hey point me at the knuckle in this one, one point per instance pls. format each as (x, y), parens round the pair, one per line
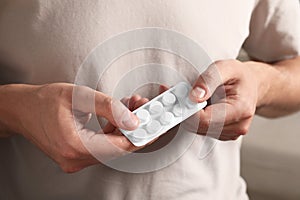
(67, 168)
(219, 62)
(223, 139)
(125, 101)
(123, 144)
(135, 97)
(228, 62)
(248, 113)
(59, 95)
(235, 138)
(144, 100)
(242, 131)
(108, 102)
(247, 109)
(61, 90)
(69, 154)
(205, 123)
(65, 92)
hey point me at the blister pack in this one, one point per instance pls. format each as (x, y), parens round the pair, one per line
(163, 113)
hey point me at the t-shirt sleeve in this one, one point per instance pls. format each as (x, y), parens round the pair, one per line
(274, 30)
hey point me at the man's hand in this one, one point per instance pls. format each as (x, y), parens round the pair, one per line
(233, 89)
(53, 118)
(241, 90)
(131, 103)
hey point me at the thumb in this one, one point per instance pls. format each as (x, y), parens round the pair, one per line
(216, 75)
(115, 112)
(91, 101)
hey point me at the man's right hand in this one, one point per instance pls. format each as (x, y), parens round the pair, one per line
(53, 117)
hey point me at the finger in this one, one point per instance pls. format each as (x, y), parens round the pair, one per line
(125, 101)
(216, 75)
(90, 101)
(230, 132)
(220, 135)
(133, 100)
(163, 88)
(118, 114)
(211, 118)
(75, 165)
(221, 114)
(105, 147)
(109, 128)
(228, 138)
(83, 118)
(141, 102)
(124, 145)
(218, 116)
(240, 128)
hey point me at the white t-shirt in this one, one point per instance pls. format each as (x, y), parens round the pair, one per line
(47, 41)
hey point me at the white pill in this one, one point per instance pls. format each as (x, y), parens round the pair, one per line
(189, 103)
(177, 110)
(166, 118)
(181, 91)
(143, 115)
(156, 107)
(168, 99)
(153, 127)
(140, 134)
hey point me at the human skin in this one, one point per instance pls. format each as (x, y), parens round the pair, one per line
(243, 89)
(43, 114)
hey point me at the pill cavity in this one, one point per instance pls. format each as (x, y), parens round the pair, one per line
(140, 134)
(177, 110)
(166, 118)
(189, 103)
(143, 115)
(181, 91)
(153, 127)
(168, 99)
(156, 107)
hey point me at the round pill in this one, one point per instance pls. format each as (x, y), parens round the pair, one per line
(177, 110)
(153, 127)
(166, 118)
(168, 99)
(143, 115)
(156, 107)
(189, 103)
(140, 134)
(181, 91)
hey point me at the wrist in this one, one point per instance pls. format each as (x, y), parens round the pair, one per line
(12, 105)
(262, 74)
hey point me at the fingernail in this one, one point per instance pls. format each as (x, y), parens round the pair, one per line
(198, 93)
(130, 121)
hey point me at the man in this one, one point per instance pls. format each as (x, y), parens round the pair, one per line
(44, 42)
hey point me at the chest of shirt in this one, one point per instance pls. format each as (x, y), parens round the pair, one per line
(48, 40)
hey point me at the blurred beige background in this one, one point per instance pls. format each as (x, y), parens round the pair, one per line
(271, 158)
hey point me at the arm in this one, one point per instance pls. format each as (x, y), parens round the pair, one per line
(279, 87)
(8, 107)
